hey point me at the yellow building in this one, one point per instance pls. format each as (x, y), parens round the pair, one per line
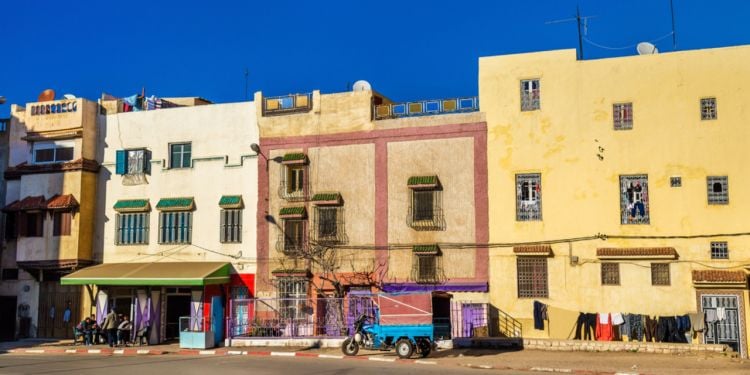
(630, 171)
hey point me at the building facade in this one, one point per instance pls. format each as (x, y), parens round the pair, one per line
(365, 195)
(49, 213)
(176, 235)
(622, 183)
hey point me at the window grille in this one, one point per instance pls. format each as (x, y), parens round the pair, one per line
(660, 274)
(425, 211)
(610, 274)
(532, 277)
(292, 237)
(175, 227)
(294, 184)
(718, 189)
(675, 181)
(427, 268)
(292, 294)
(634, 199)
(180, 155)
(719, 250)
(528, 197)
(230, 226)
(623, 116)
(530, 95)
(132, 229)
(708, 109)
(328, 225)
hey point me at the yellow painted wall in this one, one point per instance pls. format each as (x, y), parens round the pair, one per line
(580, 190)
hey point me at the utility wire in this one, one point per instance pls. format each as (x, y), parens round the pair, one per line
(589, 41)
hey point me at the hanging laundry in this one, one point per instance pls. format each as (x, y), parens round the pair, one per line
(538, 315)
(697, 321)
(711, 316)
(587, 321)
(604, 330)
(721, 313)
(133, 101)
(617, 319)
(650, 325)
(634, 323)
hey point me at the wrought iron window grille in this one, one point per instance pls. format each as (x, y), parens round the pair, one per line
(660, 274)
(634, 200)
(530, 95)
(426, 210)
(532, 277)
(610, 274)
(708, 109)
(427, 269)
(328, 226)
(529, 197)
(719, 250)
(287, 104)
(622, 114)
(294, 185)
(718, 189)
(292, 240)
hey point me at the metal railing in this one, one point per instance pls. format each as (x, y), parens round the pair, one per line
(507, 325)
(472, 319)
(426, 108)
(292, 103)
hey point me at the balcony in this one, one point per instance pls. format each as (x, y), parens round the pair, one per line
(58, 106)
(287, 104)
(426, 108)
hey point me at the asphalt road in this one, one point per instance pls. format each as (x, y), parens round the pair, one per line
(207, 365)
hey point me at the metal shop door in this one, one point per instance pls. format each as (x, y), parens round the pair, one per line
(727, 330)
(54, 299)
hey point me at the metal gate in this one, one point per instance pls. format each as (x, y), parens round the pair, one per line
(725, 330)
(54, 300)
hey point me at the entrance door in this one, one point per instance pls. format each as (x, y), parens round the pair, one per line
(177, 306)
(727, 330)
(7, 318)
(54, 299)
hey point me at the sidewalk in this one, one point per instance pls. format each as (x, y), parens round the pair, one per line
(520, 360)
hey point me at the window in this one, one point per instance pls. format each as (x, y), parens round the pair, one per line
(426, 267)
(528, 197)
(180, 155)
(423, 208)
(294, 236)
(719, 250)
(11, 226)
(718, 189)
(634, 199)
(660, 274)
(529, 95)
(175, 227)
(295, 180)
(532, 277)
(31, 224)
(675, 181)
(132, 228)
(52, 152)
(10, 274)
(61, 222)
(292, 294)
(425, 211)
(231, 226)
(708, 109)
(623, 116)
(132, 162)
(610, 274)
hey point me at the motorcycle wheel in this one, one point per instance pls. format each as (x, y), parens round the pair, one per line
(424, 347)
(349, 347)
(404, 348)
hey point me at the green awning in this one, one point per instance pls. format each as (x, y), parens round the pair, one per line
(293, 212)
(327, 199)
(433, 249)
(423, 182)
(231, 201)
(294, 158)
(132, 205)
(151, 274)
(176, 204)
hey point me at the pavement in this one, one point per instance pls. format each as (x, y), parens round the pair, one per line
(535, 361)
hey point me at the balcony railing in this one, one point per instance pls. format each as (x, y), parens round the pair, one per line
(59, 106)
(281, 105)
(426, 108)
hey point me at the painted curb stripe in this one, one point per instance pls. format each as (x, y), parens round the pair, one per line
(283, 354)
(207, 352)
(381, 359)
(423, 362)
(330, 356)
(94, 351)
(35, 351)
(73, 351)
(118, 351)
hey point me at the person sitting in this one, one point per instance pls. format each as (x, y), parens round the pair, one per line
(123, 331)
(84, 329)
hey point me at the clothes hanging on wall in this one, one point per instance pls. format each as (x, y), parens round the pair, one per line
(540, 311)
(634, 324)
(650, 327)
(711, 316)
(697, 321)
(604, 330)
(587, 321)
(617, 319)
(721, 313)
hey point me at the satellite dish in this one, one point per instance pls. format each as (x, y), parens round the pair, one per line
(646, 48)
(47, 95)
(69, 96)
(361, 85)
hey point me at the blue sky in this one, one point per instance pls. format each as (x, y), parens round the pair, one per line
(408, 50)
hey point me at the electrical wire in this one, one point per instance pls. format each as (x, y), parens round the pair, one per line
(589, 41)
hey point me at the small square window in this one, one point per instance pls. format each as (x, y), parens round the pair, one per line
(708, 109)
(719, 250)
(660, 274)
(623, 116)
(532, 277)
(528, 197)
(718, 189)
(530, 95)
(675, 181)
(180, 155)
(610, 274)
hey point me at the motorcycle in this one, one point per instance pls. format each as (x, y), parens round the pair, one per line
(360, 337)
(365, 335)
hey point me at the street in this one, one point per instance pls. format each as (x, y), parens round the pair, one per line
(175, 364)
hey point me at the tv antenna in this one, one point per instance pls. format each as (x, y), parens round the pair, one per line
(582, 21)
(246, 75)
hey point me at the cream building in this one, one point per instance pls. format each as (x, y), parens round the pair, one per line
(632, 172)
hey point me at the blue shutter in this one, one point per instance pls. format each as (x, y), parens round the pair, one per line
(121, 162)
(147, 162)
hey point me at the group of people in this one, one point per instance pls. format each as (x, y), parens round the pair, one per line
(116, 329)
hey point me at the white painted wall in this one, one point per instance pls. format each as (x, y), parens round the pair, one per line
(221, 135)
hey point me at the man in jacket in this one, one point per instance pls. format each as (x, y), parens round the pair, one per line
(110, 326)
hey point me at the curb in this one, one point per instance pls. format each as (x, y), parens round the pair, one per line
(549, 369)
(89, 351)
(225, 352)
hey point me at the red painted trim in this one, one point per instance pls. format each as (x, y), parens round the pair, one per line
(481, 206)
(261, 242)
(381, 205)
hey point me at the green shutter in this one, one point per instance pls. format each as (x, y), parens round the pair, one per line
(121, 162)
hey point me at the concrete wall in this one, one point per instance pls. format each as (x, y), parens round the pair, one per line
(572, 143)
(223, 164)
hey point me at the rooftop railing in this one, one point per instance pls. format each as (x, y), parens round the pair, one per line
(58, 106)
(292, 103)
(426, 108)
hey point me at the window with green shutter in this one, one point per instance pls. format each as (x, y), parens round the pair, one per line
(132, 228)
(175, 227)
(230, 226)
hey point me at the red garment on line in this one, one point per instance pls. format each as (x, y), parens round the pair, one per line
(604, 331)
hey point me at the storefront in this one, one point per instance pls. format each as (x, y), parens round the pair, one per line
(156, 295)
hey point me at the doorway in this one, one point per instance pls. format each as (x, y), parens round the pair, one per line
(726, 329)
(177, 307)
(7, 318)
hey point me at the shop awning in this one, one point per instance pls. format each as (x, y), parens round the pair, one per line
(151, 274)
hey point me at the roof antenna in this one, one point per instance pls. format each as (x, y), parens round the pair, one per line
(246, 74)
(579, 19)
(674, 35)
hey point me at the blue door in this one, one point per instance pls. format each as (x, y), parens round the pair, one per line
(217, 318)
